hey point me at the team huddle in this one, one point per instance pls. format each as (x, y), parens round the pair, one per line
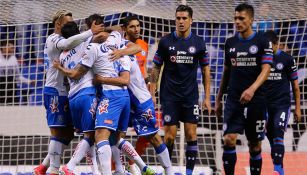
(109, 91)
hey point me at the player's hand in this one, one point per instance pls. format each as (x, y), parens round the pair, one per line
(247, 96)
(207, 104)
(116, 54)
(56, 63)
(218, 108)
(97, 28)
(100, 37)
(297, 115)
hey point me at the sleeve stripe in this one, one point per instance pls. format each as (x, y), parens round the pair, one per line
(157, 61)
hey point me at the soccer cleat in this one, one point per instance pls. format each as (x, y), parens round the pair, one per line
(65, 171)
(149, 171)
(40, 170)
(275, 173)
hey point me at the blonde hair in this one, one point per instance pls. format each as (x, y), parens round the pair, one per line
(60, 14)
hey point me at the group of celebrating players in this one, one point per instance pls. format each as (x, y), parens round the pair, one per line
(109, 87)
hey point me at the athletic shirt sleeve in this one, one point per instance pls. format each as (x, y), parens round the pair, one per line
(123, 64)
(90, 55)
(158, 58)
(203, 57)
(66, 44)
(267, 57)
(292, 69)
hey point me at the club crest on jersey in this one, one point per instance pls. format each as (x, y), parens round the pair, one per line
(167, 118)
(233, 61)
(173, 58)
(253, 49)
(93, 108)
(148, 115)
(103, 106)
(192, 49)
(279, 66)
(54, 105)
(143, 53)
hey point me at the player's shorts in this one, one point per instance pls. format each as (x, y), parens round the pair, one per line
(250, 118)
(278, 120)
(57, 110)
(113, 113)
(175, 111)
(144, 119)
(83, 111)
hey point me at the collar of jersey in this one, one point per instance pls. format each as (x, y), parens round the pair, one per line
(278, 52)
(176, 36)
(248, 38)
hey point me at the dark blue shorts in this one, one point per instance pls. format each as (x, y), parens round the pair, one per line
(250, 118)
(83, 111)
(57, 111)
(278, 120)
(175, 111)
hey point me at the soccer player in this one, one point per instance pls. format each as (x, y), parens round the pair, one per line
(132, 29)
(143, 117)
(283, 72)
(55, 94)
(181, 52)
(114, 107)
(82, 101)
(248, 59)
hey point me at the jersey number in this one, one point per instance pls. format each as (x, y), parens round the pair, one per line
(196, 110)
(260, 124)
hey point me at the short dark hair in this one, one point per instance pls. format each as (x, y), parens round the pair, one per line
(4, 43)
(185, 8)
(128, 19)
(271, 36)
(246, 7)
(70, 29)
(94, 17)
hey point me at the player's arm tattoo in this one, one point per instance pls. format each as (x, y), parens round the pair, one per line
(224, 82)
(206, 80)
(154, 77)
(75, 73)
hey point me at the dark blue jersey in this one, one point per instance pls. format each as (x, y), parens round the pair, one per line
(283, 71)
(181, 58)
(245, 57)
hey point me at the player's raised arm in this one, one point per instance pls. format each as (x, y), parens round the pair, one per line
(71, 42)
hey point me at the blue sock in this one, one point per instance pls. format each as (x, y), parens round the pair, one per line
(191, 153)
(277, 153)
(255, 163)
(229, 160)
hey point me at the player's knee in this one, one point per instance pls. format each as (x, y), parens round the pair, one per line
(155, 139)
(254, 146)
(230, 140)
(169, 140)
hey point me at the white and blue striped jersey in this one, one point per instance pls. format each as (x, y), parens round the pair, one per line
(54, 45)
(70, 59)
(97, 57)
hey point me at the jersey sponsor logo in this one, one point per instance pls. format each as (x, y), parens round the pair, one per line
(148, 115)
(241, 54)
(103, 106)
(173, 58)
(233, 61)
(232, 49)
(54, 105)
(110, 122)
(279, 66)
(167, 118)
(171, 48)
(181, 53)
(253, 49)
(192, 49)
(93, 108)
